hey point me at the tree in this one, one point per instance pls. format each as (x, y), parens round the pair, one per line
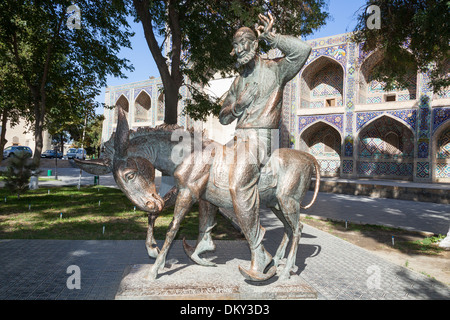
(52, 57)
(414, 36)
(93, 135)
(199, 35)
(14, 98)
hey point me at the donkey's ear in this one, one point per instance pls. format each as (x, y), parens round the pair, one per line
(122, 133)
(97, 166)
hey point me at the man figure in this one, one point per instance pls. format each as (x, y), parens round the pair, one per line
(255, 100)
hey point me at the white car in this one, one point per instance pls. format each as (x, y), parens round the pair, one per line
(71, 153)
(81, 154)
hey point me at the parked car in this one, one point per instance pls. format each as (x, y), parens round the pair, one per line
(9, 151)
(81, 154)
(71, 153)
(51, 154)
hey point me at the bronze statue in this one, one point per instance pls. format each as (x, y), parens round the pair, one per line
(206, 174)
(255, 100)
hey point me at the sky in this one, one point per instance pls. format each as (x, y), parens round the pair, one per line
(342, 20)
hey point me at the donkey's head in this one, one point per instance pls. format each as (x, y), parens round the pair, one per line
(134, 174)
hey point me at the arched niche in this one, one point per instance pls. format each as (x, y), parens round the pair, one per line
(324, 142)
(371, 91)
(385, 149)
(122, 102)
(322, 84)
(142, 106)
(441, 157)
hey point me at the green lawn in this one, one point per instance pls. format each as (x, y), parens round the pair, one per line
(69, 213)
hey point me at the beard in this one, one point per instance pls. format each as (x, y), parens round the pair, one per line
(246, 58)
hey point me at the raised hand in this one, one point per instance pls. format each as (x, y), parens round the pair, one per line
(265, 31)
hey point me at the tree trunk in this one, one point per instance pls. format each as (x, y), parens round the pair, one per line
(171, 80)
(38, 137)
(3, 140)
(171, 103)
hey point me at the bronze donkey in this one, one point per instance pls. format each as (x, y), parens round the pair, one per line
(201, 175)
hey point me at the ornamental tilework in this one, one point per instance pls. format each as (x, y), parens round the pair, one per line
(404, 170)
(423, 170)
(408, 116)
(329, 167)
(440, 116)
(286, 115)
(445, 94)
(348, 146)
(371, 100)
(336, 120)
(442, 170)
(125, 93)
(147, 89)
(347, 166)
(330, 41)
(386, 138)
(351, 89)
(328, 83)
(422, 150)
(338, 53)
(443, 145)
(443, 155)
(424, 128)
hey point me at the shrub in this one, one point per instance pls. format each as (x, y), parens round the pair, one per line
(18, 173)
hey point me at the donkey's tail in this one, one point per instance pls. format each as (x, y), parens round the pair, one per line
(316, 189)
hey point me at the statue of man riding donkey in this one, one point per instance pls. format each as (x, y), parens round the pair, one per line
(239, 178)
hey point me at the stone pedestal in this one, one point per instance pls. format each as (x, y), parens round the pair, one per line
(193, 282)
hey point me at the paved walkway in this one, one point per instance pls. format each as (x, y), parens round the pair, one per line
(38, 269)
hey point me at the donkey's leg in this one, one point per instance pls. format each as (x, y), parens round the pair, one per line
(207, 221)
(182, 206)
(286, 237)
(291, 211)
(150, 242)
(169, 201)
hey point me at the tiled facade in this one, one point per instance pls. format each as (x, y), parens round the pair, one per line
(144, 103)
(401, 134)
(335, 110)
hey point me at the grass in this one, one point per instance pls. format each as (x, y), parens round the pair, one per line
(39, 178)
(405, 241)
(69, 213)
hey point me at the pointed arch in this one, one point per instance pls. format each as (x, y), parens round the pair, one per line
(121, 102)
(142, 106)
(385, 149)
(322, 83)
(372, 91)
(441, 154)
(324, 142)
(385, 114)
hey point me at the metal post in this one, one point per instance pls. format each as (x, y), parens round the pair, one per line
(82, 147)
(56, 162)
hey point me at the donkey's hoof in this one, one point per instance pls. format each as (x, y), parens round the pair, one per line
(189, 250)
(151, 274)
(152, 251)
(193, 255)
(253, 275)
